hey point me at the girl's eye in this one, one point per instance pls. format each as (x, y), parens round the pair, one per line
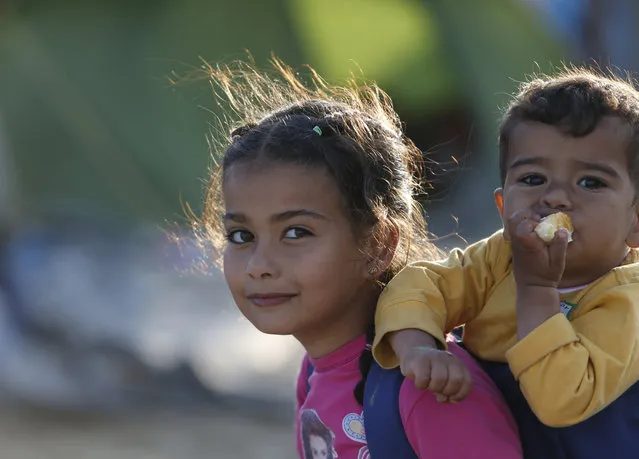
(296, 233)
(533, 180)
(240, 237)
(591, 183)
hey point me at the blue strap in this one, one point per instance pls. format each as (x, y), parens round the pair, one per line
(385, 432)
(309, 371)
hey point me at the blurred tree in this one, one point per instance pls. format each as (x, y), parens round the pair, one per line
(91, 119)
(449, 66)
(96, 129)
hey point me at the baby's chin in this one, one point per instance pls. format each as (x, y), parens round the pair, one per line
(578, 272)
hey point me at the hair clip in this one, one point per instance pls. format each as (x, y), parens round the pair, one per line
(317, 130)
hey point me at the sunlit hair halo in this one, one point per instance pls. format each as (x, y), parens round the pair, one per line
(351, 130)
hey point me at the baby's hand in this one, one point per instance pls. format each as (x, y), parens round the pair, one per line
(535, 262)
(441, 372)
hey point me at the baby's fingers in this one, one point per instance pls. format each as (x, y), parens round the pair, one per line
(465, 387)
(459, 381)
(407, 370)
(422, 376)
(438, 377)
(557, 249)
(521, 223)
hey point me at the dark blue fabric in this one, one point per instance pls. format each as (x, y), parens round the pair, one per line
(385, 434)
(612, 433)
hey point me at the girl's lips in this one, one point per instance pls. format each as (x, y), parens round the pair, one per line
(270, 299)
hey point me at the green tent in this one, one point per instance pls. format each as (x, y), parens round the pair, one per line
(94, 128)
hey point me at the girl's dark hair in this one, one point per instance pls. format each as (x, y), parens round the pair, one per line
(352, 131)
(574, 100)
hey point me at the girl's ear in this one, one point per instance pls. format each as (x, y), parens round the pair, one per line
(383, 243)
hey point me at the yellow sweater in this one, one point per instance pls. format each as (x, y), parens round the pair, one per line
(569, 368)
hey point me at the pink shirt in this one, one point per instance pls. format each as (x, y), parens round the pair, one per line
(329, 420)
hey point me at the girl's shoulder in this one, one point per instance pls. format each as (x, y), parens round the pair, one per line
(480, 422)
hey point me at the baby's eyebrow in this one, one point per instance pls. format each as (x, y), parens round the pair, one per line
(530, 160)
(588, 165)
(601, 167)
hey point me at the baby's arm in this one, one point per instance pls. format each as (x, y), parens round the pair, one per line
(435, 297)
(480, 426)
(570, 370)
(538, 268)
(439, 371)
(428, 299)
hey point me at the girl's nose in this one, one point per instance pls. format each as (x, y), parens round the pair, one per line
(261, 264)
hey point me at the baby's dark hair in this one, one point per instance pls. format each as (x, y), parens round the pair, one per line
(575, 100)
(351, 131)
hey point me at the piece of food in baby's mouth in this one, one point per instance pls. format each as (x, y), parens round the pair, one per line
(550, 224)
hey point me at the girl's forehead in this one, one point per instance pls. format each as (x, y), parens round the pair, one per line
(273, 173)
(265, 169)
(279, 187)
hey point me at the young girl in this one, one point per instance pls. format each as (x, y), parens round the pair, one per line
(315, 198)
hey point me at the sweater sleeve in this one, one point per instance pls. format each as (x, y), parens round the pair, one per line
(435, 297)
(568, 371)
(479, 426)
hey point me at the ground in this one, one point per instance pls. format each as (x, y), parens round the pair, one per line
(220, 434)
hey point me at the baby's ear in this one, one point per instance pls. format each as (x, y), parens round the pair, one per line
(499, 201)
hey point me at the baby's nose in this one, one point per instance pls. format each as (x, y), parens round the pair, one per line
(557, 197)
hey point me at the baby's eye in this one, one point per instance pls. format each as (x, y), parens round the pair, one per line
(297, 233)
(240, 237)
(592, 183)
(533, 179)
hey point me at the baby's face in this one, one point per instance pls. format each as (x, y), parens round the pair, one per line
(585, 177)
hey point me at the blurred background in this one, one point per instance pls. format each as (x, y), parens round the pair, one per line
(112, 342)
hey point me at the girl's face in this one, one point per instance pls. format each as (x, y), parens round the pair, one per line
(292, 261)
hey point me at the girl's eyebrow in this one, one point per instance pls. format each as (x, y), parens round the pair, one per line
(287, 215)
(235, 217)
(280, 217)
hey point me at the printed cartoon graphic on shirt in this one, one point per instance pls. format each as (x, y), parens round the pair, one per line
(317, 438)
(363, 453)
(353, 426)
